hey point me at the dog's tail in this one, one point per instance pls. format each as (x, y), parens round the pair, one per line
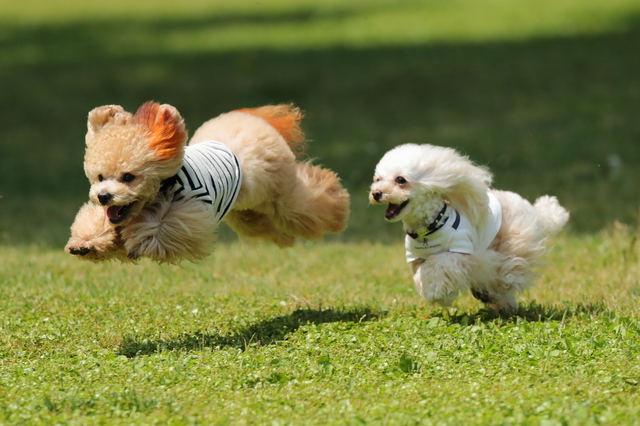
(551, 215)
(285, 118)
(316, 205)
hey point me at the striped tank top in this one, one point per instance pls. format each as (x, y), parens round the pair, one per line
(210, 173)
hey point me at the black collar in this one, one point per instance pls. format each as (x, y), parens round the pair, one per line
(430, 228)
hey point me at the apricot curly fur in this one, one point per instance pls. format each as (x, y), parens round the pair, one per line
(128, 157)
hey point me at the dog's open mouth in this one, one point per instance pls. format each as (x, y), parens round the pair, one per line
(394, 210)
(117, 214)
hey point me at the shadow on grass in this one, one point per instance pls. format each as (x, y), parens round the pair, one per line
(266, 332)
(273, 330)
(532, 312)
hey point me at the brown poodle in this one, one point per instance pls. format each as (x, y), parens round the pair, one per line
(153, 196)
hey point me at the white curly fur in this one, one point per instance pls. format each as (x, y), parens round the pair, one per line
(431, 175)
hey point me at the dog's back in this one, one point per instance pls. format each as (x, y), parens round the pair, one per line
(280, 198)
(285, 119)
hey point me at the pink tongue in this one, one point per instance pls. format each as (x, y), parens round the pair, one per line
(391, 208)
(113, 212)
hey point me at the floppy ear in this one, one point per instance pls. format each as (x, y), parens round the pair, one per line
(469, 193)
(103, 115)
(166, 128)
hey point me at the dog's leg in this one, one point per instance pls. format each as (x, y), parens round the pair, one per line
(497, 302)
(511, 276)
(514, 276)
(440, 277)
(493, 281)
(253, 224)
(506, 303)
(317, 204)
(92, 236)
(171, 231)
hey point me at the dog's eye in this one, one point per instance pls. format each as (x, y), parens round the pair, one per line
(128, 177)
(400, 180)
(100, 178)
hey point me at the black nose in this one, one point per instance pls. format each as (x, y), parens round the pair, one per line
(104, 198)
(376, 195)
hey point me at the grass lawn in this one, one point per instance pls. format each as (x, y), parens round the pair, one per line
(319, 334)
(544, 92)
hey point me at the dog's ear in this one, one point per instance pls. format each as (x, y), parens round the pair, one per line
(166, 128)
(468, 193)
(104, 115)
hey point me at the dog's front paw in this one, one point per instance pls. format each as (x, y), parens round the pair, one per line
(93, 250)
(79, 251)
(81, 247)
(85, 252)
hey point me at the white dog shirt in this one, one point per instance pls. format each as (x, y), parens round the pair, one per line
(210, 173)
(456, 234)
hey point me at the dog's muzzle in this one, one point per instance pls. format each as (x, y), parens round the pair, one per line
(104, 197)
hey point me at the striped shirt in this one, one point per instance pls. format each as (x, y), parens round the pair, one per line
(210, 173)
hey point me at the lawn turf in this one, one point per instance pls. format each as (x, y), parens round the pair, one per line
(319, 334)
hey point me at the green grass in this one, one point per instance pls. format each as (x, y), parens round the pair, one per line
(257, 336)
(546, 93)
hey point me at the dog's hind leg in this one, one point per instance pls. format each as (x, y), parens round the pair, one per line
(316, 204)
(253, 224)
(514, 275)
(507, 302)
(496, 279)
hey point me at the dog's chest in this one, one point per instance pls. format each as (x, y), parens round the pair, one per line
(458, 236)
(444, 239)
(429, 245)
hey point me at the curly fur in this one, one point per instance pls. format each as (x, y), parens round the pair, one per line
(432, 175)
(128, 156)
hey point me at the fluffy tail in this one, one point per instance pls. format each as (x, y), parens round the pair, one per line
(318, 204)
(303, 200)
(285, 118)
(551, 215)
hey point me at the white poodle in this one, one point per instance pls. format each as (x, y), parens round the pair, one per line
(460, 233)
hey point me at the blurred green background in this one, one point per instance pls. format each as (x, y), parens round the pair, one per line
(544, 92)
